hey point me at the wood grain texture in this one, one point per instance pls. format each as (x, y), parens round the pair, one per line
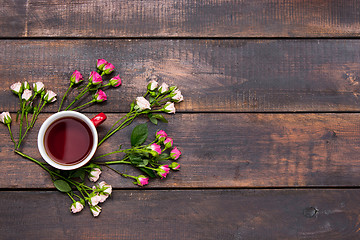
(186, 214)
(214, 75)
(225, 150)
(184, 18)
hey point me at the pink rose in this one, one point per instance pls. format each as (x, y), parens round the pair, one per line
(142, 103)
(163, 170)
(163, 88)
(101, 63)
(168, 142)
(142, 180)
(161, 135)
(95, 210)
(175, 166)
(169, 107)
(115, 81)
(76, 77)
(156, 148)
(100, 96)
(94, 174)
(17, 88)
(38, 87)
(177, 97)
(50, 96)
(26, 94)
(5, 118)
(76, 207)
(95, 78)
(152, 85)
(108, 68)
(175, 153)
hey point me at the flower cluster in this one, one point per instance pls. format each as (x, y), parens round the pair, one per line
(27, 98)
(95, 83)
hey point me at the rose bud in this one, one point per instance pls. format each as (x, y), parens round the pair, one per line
(17, 88)
(108, 68)
(76, 77)
(26, 85)
(38, 87)
(142, 103)
(173, 88)
(161, 135)
(76, 207)
(175, 166)
(142, 180)
(100, 96)
(5, 118)
(26, 94)
(95, 78)
(100, 64)
(169, 107)
(115, 81)
(163, 88)
(156, 149)
(94, 174)
(105, 188)
(177, 97)
(175, 153)
(168, 143)
(152, 85)
(95, 210)
(94, 199)
(50, 96)
(163, 170)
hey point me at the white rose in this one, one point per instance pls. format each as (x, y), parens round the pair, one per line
(50, 96)
(16, 87)
(169, 107)
(153, 85)
(38, 87)
(94, 174)
(95, 210)
(178, 96)
(76, 207)
(26, 94)
(142, 103)
(163, 88)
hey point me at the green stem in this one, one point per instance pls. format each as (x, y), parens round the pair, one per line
(11, 136)
(116, 162)
(35, 161)
(37, 114)
(121, 174)
(126, 116)
(85, 90)
(118, 151)
(71, 197)
(83, 105)
(67, 91)
(21, 122)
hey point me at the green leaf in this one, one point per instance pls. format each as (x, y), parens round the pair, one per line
(151, 99)
(79, 173)
(160, 117)
(138, 161)
(153, 120)
(139, 135)
(148, 172)
(62, 186)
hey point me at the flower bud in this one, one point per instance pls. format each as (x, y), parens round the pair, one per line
(168, 143)
(108, 68)
(177, 96)
(5, 118)
(152, 85)
(175, 166)
(76, 207)
(94, 174)
(76, 77)
(95, 78)
(105, 188)
(38, 87)
(100, 96)
(101, 64)
(17, 88)
(142, 103)
(95, 210)
(156, 149)
(163, 170)
(50, 96)
(142, 180)
(163, 88)
(175, 153)
(161, 135)
(26, 85)
(169, 107)
(173, 88)
(115, 81)
(26, 94)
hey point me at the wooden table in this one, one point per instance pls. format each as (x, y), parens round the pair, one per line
(269, 128)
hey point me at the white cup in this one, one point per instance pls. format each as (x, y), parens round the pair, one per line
(92, 124)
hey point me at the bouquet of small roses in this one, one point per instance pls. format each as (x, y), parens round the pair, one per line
(150, 158)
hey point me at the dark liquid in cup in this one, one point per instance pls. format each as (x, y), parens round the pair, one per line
(68, 141)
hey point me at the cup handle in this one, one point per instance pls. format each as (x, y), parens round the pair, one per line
(98, 119)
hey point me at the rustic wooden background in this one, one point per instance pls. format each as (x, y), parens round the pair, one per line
(269, 127)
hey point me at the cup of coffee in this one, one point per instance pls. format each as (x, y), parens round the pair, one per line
(68, 140)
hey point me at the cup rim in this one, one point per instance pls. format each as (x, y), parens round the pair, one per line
(53, 118)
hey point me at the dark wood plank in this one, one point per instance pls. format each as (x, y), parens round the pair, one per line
(227, 150)
(184, 18)
(186, 214)
(214, 75)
